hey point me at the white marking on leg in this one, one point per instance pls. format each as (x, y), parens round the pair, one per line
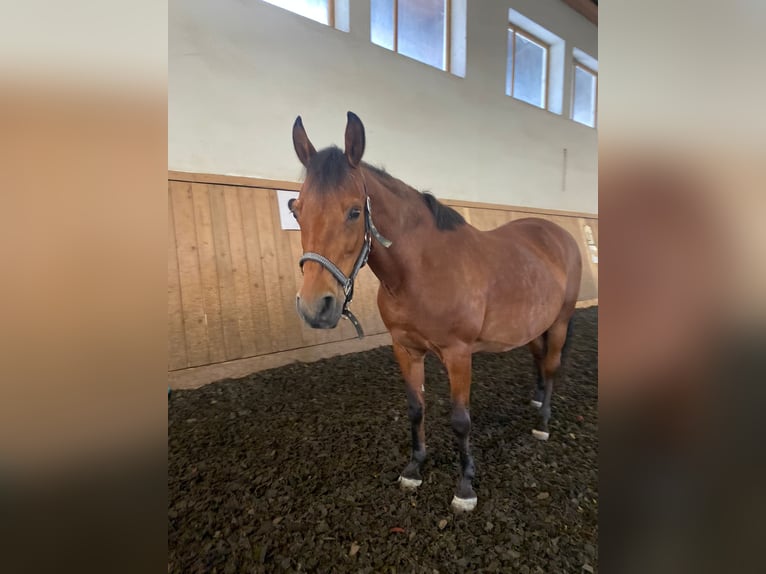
(409, 483)
(463, 504)
(540, 435)
(536, 404)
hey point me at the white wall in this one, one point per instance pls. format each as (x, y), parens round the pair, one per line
(240, 71)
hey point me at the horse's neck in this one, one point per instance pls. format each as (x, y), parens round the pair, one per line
(397, 216)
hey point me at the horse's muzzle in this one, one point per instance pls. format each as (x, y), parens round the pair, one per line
(324, 313)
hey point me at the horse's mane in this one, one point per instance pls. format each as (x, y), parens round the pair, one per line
(329, 167)
(445, 217)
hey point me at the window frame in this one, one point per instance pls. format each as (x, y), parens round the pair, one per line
(545, 46)
(330, 13)
(447, 36)
(577, 64)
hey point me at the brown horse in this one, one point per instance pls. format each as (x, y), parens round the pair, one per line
(445, 286)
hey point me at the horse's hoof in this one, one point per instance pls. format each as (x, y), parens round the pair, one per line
(463, 504)
(536, 404)
(409, 483)
(540, 435)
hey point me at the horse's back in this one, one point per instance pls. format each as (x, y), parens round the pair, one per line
(546, 237)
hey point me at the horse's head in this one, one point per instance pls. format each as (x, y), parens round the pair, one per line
(331, 212)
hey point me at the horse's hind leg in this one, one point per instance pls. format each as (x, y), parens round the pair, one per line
(537, 347)
(555, 342)
(411, 363)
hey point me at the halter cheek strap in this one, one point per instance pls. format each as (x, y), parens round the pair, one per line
(370, 232)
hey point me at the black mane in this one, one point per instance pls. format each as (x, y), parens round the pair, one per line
(329, 167)
(445, 217)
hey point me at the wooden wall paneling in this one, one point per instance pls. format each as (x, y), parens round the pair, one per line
(208, 272)
(273, 292)
(500, 217)
(594, 226)
(240, 270)
(233, 180)
(465, 212)
(373, 284)
(228, 292)
(286, 276)
(522, 215)
(588, 264)
(532, 211)
(593, 266)
(574, 226)
(345, 330)
(198, 376)
(589, 284)
(365, 305)
(308, 335)
(176, 338)
(233, 273)
(256, 284)
(484, 219)
(506, 217)
(195, 330)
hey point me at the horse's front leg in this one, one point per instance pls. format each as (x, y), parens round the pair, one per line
(458, 363)
(411, 364)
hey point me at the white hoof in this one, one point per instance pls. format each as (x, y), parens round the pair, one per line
(463, 504)
(540, 435)
(536, 404)
(409, 483)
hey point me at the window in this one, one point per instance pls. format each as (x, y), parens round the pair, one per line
(527, 68)
(418, 29)
(322, 11)
(584, 92)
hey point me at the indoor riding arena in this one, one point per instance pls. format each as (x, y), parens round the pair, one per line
(287, 444)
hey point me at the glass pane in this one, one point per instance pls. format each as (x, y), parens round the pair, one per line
(529, 72)
(382, 23)
(314, 9)
(509, 66)
(584, 110)
(422, 30)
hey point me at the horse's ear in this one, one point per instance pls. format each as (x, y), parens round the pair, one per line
(301, 142)
(354, 139)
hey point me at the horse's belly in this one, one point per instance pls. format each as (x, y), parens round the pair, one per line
(492, 347)
(508, 327)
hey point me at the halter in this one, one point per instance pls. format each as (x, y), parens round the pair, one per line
(347, 283)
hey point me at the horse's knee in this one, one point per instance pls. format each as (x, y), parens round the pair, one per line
(461, 422)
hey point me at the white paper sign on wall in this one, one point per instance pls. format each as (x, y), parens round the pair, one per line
(285, 215)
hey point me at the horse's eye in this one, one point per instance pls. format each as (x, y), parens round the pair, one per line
(354, 213)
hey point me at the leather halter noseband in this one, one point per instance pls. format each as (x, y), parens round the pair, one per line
(347, 283)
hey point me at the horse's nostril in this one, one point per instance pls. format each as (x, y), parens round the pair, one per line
(327, 302)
